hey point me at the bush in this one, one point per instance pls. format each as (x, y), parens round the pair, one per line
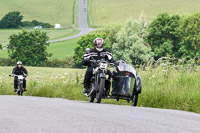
(7, 62)
(130, 45)
(1, 46)
(163, 37)
(68, 62)
(189, 33)
(86, 42)
(29, 47)
(111, 31)
(11, 20)
(34, 23)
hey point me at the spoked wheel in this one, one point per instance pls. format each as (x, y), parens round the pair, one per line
(99, 93)
(91, 99)
(134, 99)
(20, 92)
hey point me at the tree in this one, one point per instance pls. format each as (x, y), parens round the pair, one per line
(111, 31)
(11, 20)
(29, 47)
(163, 37)
(86, 42)
(189, 32)
(130, 45)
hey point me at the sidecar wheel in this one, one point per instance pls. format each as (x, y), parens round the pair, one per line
(134, 100)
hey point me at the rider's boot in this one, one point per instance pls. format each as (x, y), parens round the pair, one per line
(85, 90)
(15, 90)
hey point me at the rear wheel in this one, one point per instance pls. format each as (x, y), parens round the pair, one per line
(134, 99)
(99, 93)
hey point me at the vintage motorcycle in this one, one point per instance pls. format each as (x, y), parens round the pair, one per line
(126, 83)
(20, 79)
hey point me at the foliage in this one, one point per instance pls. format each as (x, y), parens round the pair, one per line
(163, 36)
(130, 44)
(68, 62)
(1, 46)
(29, 47)
(86, 42)
(7, 62)
(34, 23)
(111, 31)
(11, 20)
(189, 32)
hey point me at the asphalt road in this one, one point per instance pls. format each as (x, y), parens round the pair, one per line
(53, 115)
(82, 21)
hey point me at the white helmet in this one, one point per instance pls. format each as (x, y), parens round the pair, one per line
(19, 63)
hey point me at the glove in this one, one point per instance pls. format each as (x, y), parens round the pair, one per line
(117, 63)
(87, 59)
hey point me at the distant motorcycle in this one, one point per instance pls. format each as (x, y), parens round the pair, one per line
(126, 83)
(20, 78)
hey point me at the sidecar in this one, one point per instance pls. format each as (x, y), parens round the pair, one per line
(126, 83)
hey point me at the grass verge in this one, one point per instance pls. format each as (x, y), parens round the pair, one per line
(171, 88)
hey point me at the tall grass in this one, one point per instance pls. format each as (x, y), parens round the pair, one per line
(164, 85)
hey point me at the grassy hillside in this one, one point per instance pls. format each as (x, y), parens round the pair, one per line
(50, 11)
(53, 34)
(107, 11)
(59, 49)
(171, 87)
(63, 49)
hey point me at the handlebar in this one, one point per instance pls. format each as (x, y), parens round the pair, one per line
(12, 75)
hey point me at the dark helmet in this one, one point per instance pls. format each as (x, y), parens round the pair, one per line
(19, 63)
(99, 44)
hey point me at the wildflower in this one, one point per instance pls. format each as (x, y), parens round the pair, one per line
(164, 71)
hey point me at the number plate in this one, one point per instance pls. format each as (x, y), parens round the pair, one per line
(103, 66)
(20, 77)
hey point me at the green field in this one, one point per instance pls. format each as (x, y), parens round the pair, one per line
(59, 50)
(63, 49)
(170, 87)
(108, 11)
(49, 11)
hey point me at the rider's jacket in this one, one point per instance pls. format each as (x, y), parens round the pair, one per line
(19, 71)
(96, 55)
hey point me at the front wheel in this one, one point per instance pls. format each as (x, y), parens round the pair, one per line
(134, 99)
(99, 93)
(20, 92)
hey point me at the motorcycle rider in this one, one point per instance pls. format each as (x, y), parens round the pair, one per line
(19, 70)
(97, 54)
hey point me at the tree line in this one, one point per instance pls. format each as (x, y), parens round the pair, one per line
(137, 42)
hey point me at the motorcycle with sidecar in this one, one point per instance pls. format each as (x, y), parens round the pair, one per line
(126, 84)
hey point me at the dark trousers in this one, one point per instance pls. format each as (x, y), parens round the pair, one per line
(89, 74)
(15, 83)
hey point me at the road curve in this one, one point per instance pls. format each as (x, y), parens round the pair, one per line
(82, 21)
(54, 115)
